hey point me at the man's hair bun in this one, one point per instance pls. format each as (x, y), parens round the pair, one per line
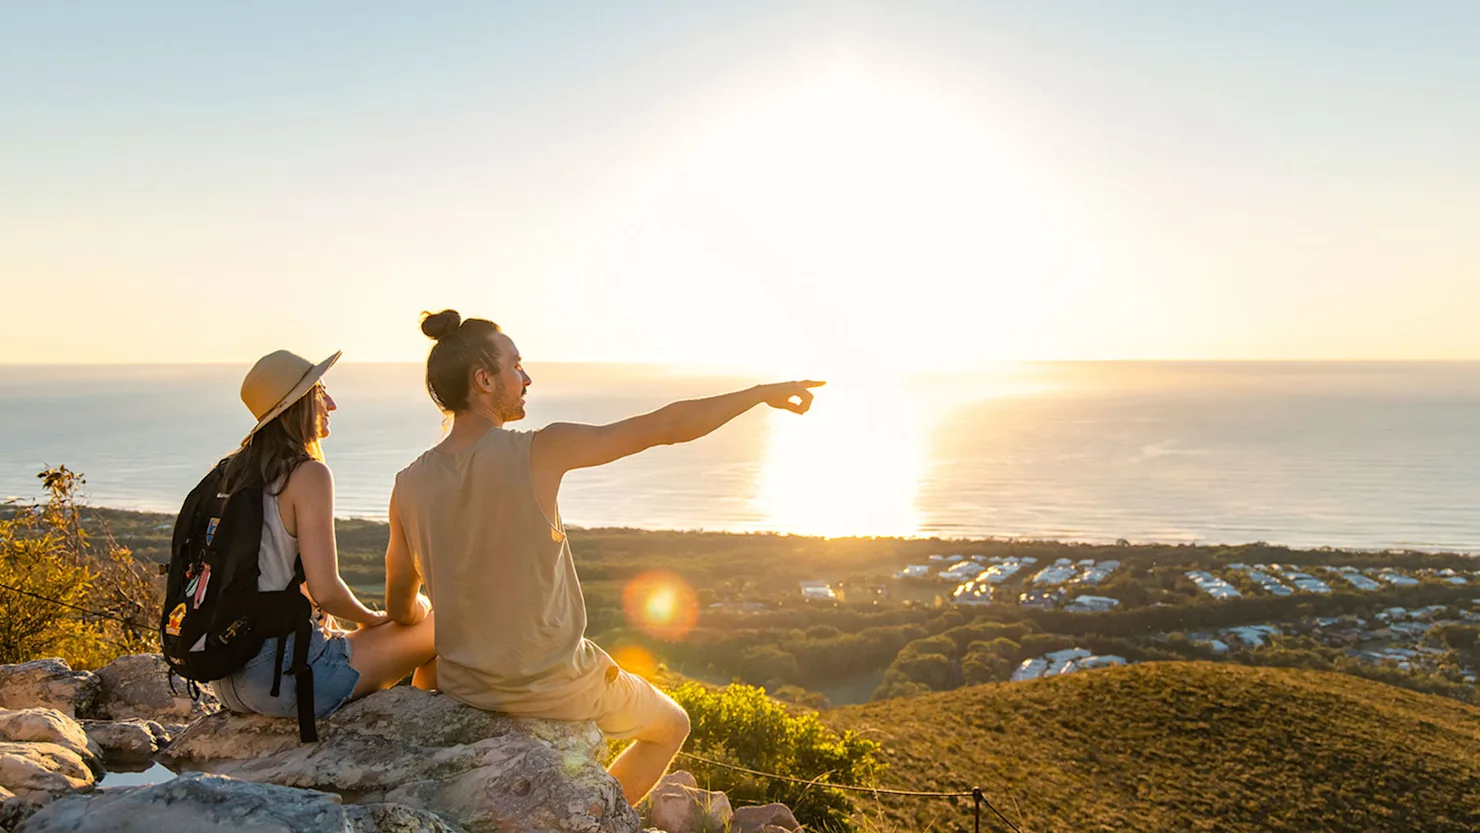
(441, 324)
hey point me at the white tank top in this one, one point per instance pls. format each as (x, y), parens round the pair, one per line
(279, 550)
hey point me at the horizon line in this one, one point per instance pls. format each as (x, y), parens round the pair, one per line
(743, 369)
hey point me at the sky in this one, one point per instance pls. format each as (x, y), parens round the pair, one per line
(794, 187)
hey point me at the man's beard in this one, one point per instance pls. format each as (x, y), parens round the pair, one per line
(508, 408)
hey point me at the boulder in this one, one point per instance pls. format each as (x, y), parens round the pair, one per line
(13, 810)
(133, 740)
(200, 803)
(482, 770)
(763, 819)
(47, 684)
(678, 805)
(39, 772)
(50, 726)
(138, 686)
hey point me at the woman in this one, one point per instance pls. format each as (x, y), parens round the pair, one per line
(282, 457)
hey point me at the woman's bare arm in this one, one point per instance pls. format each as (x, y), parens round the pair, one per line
(310, 493)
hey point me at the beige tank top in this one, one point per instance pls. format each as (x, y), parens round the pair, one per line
(511, 620)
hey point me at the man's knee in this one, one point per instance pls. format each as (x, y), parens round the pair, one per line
(670, 728)
(681, 725)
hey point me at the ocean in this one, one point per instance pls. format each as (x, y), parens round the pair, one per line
(1352, 455)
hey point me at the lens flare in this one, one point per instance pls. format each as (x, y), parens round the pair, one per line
(661, 604)
(637, 660)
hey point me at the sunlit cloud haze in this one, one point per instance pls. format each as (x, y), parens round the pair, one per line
(772, 185)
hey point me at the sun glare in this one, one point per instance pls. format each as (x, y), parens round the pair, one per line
(851, 466)
(886, 200)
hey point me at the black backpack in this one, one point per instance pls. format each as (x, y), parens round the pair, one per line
(214, 618)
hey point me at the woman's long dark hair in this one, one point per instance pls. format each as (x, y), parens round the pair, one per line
(269, 457)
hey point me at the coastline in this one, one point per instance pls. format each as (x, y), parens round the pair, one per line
(144, 516)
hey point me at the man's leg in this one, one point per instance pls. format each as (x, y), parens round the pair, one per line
(640, 765)
(425, 677)
(632, 708)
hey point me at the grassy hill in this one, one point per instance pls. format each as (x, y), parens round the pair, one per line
(1180, 746)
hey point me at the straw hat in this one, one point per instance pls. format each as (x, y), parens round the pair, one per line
(278, 380)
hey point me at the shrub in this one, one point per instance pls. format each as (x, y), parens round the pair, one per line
(741, 726)
(67, 592)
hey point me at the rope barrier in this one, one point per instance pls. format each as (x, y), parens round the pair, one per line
(96, 613)
(976, 793)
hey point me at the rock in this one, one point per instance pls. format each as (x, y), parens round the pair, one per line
(38, 772)
(196, 803)
(47, 684)
(481, 770)
(139, 686)
(50, 726)
(677, 805)
(132, 740)
(395, 818)
(763, 819)
(13, 810)
(200, 803)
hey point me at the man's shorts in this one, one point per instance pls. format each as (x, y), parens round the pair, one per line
(629, 704)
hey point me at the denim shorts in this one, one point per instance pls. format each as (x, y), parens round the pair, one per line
(249, 690)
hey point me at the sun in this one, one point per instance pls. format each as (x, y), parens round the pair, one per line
(850, 466)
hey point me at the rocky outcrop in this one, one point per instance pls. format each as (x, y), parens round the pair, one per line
(38, 772)
(131, 741)
(130, 687)
(404, 761)
(678, 805)
(50, 726)
(43, 754)
(481, 770)
(138, 686)
(48, 684)
(200, 803)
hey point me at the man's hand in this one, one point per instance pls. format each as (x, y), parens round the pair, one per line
(781, 394)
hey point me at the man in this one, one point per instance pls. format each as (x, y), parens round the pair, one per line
(477, 518)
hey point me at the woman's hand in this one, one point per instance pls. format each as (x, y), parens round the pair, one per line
(378, 618)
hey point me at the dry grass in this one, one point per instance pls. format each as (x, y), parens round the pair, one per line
(1180, 746)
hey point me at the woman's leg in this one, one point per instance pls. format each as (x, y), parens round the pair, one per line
(386, 653)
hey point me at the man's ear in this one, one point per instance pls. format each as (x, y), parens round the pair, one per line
(482, 379)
